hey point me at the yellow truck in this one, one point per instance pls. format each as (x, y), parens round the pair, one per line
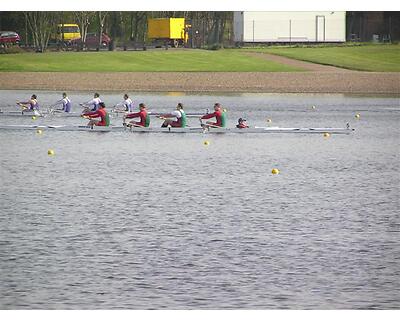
(172, 31)
(71, 31)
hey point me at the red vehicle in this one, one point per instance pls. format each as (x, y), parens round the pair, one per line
(9, 37)
(92, 40)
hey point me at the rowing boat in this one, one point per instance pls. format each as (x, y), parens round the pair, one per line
(179, 130)
(56, 128)
(188, 114)
(37, 114)
(75, 114)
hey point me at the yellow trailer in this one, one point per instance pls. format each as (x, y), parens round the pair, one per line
(170, 30)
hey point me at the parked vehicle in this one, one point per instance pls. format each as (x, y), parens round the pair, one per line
(9, 37)
(171, 31)
(67, 32)
(92, 40)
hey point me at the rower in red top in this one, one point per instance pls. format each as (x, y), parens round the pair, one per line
(219, 115)
(101, 113)
(142, 114)
(242, 124)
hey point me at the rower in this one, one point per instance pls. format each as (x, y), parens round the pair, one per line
(101, 113)
(242, 124)
(65, 102)
(31, 105)
(179, 114)
(127, 103)
(142, 114)
(219, 115)
(92, 105)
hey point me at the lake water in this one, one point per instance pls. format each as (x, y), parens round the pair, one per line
(161, 221)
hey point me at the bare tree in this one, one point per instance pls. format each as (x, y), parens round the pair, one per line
(84, 18)
(102, 17)
(41, 25)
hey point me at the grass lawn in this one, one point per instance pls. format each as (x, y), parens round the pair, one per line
(365, 57)
(163, 60)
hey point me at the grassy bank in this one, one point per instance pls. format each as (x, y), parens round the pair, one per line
(140, 61)
(385, 58)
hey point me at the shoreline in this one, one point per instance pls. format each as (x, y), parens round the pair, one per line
(356, 82)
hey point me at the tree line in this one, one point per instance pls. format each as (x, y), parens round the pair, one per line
(208, 29)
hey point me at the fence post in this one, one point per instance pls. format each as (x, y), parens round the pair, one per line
(253, 33)
(290, 31)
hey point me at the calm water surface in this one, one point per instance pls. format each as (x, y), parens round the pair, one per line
(154, 221)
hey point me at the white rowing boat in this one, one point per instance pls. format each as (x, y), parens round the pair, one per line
(38, 114)
(179, 130)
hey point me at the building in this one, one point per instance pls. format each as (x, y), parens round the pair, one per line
(382, 26)
(289, 27)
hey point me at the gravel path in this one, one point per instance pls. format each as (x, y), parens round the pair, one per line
(273, 82)
(307, 66)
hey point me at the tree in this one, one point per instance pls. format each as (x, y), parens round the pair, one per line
(102, 17)
(137, 19)
(41, 24)
(115, 25)
(219, 21)
(84, 18)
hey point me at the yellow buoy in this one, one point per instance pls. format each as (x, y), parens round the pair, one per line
(50, 152)
(33, 117)
(327, 135)
(224, 110)
(313, 107)
(275, 171)
(206, 143)
(269, 120)
(39, 131)
(357, 116)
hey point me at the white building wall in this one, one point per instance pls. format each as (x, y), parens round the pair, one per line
(316, 26)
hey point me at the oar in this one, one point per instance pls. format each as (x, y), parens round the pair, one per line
(52, 108)
(86, 108)
(22, 105)
(116, 110)
(25, 107)
(207, 125)
(203, 125)
(124, 122)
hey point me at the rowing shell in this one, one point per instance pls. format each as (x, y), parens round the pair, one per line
(45, 114)
(180, 130)
(41, 114)
(76, 114)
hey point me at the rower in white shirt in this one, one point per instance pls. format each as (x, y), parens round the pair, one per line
(65, 102)
(92, 105)
(127, 103)
(175, 119)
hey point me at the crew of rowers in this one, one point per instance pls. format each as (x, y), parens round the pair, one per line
(95, 108)
(32, 104)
